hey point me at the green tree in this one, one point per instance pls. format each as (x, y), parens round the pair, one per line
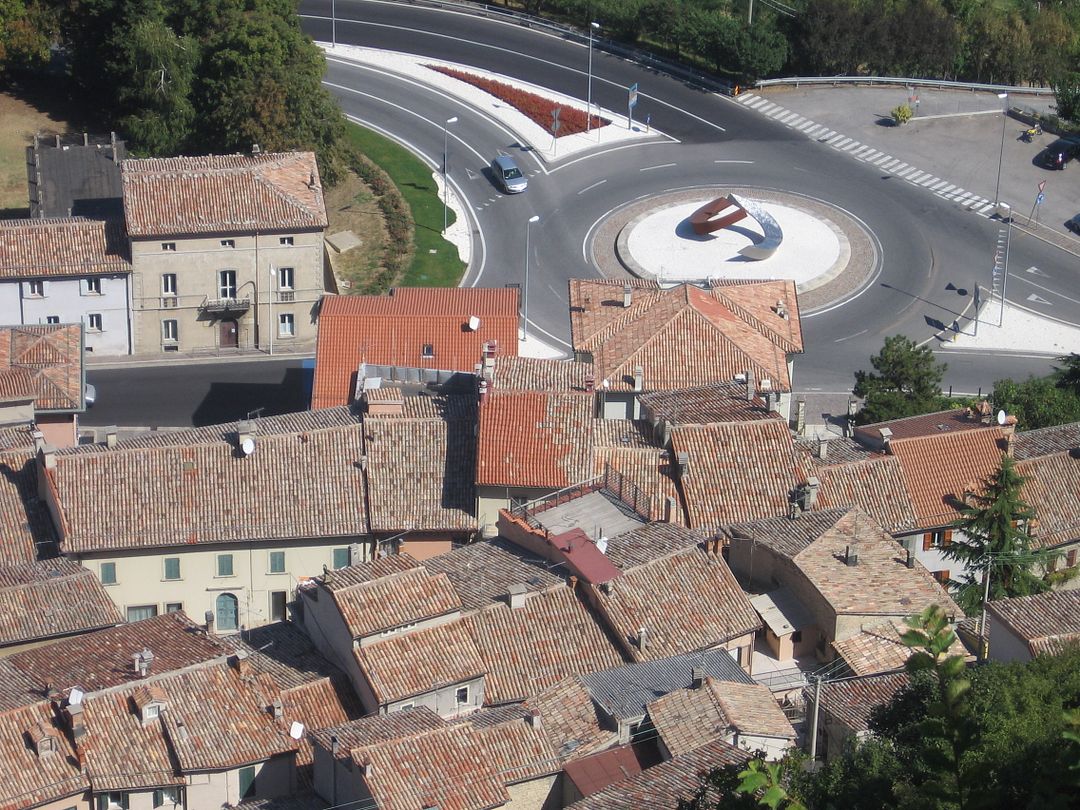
(27, 28)
(994, 524)
(1067, 96)
(906, 382)
(1068, 373)
(761, 49)
(1036, 403)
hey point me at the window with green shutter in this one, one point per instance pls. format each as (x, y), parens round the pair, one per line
(247, 781)
(172, 568)
(277, 562)
(224, 565)
(108, 573)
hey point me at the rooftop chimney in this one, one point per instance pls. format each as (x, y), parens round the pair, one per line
(534, 719)
(627, 295)
(39, 440)
(639, 378)
(671, 510)
(910, 561)
(751, 389)
(851, 556)
(277, 709)
(111, 436)
(256, 149)
(813, 486)
(208, 617)
(800, 416)
(697, 677)
(78, 720)
(483, 391)
(142, 661)
(240, 662)
(367, 769)
(823, 447)
(335, 746)
(682, 461)
(643, 638)
(886, 439)
(245, 436)
(515, 595)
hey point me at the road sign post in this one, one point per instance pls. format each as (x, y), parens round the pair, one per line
(631, 102)
(555, 124)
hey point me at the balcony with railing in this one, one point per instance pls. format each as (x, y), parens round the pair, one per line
(226, 306)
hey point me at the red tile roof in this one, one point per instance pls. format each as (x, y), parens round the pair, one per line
(541, 374)
(705, 404)
(1046, 621)
(881, 649)
(395, 600)
(517, 749)
(527, 649)
(686, 336)
(53, 354)
(26, 529)
(939, 469)
(120, 751)
(851, 701)
(393, 330)
(570, 719)
(876, 485)
(737, 471)
(222, 194)
(52, 598)
(44, 248)
(597, 771)
(1052, 489)
(927, 424)
(530, 439)
(30, 778)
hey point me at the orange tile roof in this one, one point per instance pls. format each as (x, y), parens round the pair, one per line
(939, 469)
(570, 719)
(528, 649)
(183, 196)
(1046, 621)
(392, 330)
(30, 779)
(880, 649)
(686, 601)
(851, 701)
(395, 600)
(507, 739)
(686, 336)
(531, 439)
(737, 471)
(1052, 489)
(540, 374)
(53, 354)
(120, 751)
(927, 424)
(40, 248)
(876, 485)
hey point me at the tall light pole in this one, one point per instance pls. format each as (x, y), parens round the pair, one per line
(525, 291)
(445, 145)
(333, 23)
(593, 26)
(1001, 153)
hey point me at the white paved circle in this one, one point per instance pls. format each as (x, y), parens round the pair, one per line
(664, 244)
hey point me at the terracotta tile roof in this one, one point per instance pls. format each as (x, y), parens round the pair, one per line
(1046, 621)
(650, 471)
(839, 451)
(160, 496)
(1030, 443)
(1051, 489)
(687, 719)
(851, 701)
(392, 330)
(324, 703)
(939, 469)
(665, 784)
(686, 601)
(540, 374)
(927, 424)
(526, 650)
(53, 354)
(369, 571)
(737, 471)
(649, 542)
(119, 750)
(531, 439)
(394, 601)
(439, 768)
(379, 728)
(482, 572)
(420, 661)
(507, 740)
(420, 474)
(880, 584)
(31, 778)
(69, 246)
(570, 721)
(17, 689)
(685, 336)
(595, 772)
(880, 649)
(17, 384)
(51, 598)
(103, 659)
(623, 434)
(875, 485)
(705, 404)
(222, 194)
(216, 720)
(26, 529)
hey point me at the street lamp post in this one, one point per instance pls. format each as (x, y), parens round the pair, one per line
(1001, 152)
(333, 23)
(593, 26)
(525, 292)
(445, 146)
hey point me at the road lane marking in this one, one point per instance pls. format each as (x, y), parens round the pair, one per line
(733, 161)
(590, 188)
(849, 337)
(660, 166)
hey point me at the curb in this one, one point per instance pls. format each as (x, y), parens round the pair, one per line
(149, 361)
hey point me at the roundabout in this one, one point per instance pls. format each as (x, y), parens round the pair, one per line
(827, 252)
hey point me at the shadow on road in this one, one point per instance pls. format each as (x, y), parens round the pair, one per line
(227, 401)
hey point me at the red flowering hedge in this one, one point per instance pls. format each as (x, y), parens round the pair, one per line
(536, 108)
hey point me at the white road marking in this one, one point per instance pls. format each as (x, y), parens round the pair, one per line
(659, 166)
(590, 188)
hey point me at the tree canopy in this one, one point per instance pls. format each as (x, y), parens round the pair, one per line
(906, 381)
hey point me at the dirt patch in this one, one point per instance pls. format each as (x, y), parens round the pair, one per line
(351, 206)
(18, 123)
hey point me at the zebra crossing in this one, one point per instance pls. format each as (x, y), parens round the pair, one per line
(867, 154)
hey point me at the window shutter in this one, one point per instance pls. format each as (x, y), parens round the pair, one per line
(1070, 558)
(947, 539)
(927, 541)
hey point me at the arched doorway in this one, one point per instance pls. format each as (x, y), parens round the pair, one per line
(227, 611)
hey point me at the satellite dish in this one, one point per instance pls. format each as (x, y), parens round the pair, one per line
(247, 446)
(76, 696)
(474, 323)
(296, 730)
(1001, 417)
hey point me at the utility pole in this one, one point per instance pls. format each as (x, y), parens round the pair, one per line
(814, 720)
(750, 14)
(984, 642)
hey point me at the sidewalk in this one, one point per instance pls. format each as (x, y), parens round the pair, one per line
(199, 357)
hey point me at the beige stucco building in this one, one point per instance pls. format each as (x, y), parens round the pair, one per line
(227, 251)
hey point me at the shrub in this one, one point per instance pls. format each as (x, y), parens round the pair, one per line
(901, 115)
(399, 225)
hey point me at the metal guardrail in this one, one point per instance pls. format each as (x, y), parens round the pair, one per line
(899, 80)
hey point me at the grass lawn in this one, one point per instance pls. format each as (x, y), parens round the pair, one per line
(19, 120)
(435, 261)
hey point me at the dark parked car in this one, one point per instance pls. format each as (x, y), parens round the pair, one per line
(1058, 154)
(1074, 224)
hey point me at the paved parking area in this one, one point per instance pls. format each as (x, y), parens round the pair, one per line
(951, 148)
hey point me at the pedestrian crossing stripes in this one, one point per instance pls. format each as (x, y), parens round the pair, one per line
(867, 154)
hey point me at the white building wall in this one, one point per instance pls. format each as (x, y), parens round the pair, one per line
(1004, 646)
(70, 300)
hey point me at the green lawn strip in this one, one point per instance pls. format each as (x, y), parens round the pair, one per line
(442, 268)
